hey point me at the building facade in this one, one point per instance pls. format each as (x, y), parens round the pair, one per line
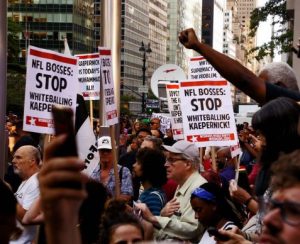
(45, 24)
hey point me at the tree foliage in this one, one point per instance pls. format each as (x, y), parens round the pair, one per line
(282, 38)
(12, 40)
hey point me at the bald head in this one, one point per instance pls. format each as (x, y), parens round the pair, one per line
(26, 161)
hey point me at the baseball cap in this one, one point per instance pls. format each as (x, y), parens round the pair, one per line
(187, 148)
(104, 142)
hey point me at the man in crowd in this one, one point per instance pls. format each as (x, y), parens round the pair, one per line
(177, 219)
(254, 86)
(155, 125)
(280, 74)
(26, 162)
(104, 172)
(282, 212)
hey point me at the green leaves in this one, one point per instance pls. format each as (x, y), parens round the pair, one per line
(282, 38)
(13, 40)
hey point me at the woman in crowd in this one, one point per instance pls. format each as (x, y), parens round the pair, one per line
(120, 226)
(212, 209)
(150, 169)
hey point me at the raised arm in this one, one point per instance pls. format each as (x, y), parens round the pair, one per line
(230, 69)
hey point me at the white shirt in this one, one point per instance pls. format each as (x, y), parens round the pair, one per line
(27, 192)
(207, 239)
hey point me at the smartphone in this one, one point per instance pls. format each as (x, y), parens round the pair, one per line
(214, 232)
(63, 124)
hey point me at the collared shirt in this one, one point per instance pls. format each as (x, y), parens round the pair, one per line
(183, 225)
(126, 183)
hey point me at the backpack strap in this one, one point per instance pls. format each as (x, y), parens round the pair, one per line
(159, 196)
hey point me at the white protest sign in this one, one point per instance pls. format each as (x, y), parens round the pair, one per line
(165, 121)
(175, 110)
(89, 76)
(235, 150)
(110, 106)
(200, 69)
(51, 78)
(207, 113)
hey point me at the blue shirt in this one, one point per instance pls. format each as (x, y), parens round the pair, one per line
(155, 199)
(126, 182)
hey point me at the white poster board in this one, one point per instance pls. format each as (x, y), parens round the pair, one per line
(165, 121)
(201, 69)
(51, 78)
(207, 113)
(207, 109)
(89, 76)
(110, 107)
(175, 110)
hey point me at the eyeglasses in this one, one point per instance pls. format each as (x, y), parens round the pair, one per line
(174, 160)
(289, 211)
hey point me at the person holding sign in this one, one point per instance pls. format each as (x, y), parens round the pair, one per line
(241, 77)
(104, 172)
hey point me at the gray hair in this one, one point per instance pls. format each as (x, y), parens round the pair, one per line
(157, 142)
(194, 160)
(280, 72)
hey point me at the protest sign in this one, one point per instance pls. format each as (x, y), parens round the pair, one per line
(110, 107)
(165, 121)
(201, 69)
(235, 150)
(208, 116)
(175, 110)
(207, 113)
(51, 78)
(85, 138)
(89, 76)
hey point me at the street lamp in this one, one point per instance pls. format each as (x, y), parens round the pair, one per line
(144, 50)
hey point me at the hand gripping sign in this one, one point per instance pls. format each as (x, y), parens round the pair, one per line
(51, 78)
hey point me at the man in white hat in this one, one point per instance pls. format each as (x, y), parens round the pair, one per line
(177, 219)
(104, 172)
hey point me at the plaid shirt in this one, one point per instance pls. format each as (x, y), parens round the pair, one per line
(126, 184)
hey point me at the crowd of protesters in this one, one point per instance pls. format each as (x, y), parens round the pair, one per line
(168, 193)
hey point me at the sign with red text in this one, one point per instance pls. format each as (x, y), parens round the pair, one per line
(207, 113)
(175, 110)
(89, 76)
(110, 107)
(51, 78)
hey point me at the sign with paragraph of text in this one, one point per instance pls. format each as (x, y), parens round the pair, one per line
(175, 110)
(51, 78)
(89, 76)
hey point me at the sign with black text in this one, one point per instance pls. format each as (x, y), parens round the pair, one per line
(165, 121)
(51, 78)
(175, 110)
(89, 76)
(110, 106)
(207, 113)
